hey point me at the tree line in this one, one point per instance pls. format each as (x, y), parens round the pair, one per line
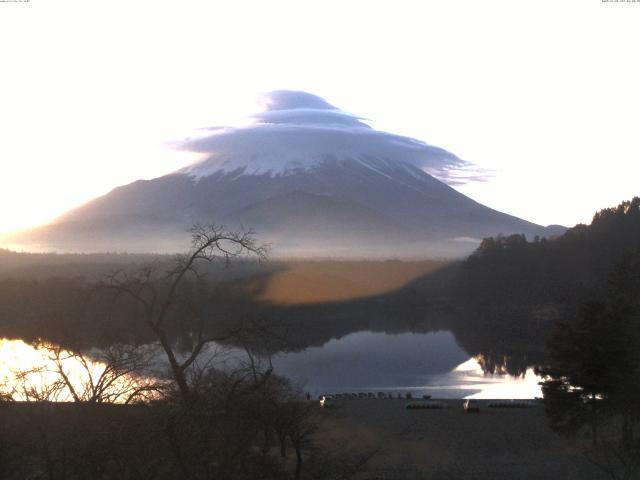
(576, 299)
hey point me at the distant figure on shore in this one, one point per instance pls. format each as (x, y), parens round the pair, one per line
(308, 396)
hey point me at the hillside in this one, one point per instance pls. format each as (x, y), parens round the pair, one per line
(511, 291)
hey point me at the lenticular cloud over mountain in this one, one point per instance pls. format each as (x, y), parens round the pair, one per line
(298, 131)
(309, 178)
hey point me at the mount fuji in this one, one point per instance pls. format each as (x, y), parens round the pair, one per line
(310, 179)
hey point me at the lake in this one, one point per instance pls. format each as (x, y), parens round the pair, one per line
(422, 363)
(365, 361)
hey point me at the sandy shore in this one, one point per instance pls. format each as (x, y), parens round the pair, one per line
(452, 444)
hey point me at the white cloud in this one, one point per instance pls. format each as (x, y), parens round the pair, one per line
(298, 130)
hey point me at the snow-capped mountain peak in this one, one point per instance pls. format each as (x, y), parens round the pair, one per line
(297, 131)
(309, 178)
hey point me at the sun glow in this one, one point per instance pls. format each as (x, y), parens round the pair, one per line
(32, 373)
(90, 125)
(58, 187)
(498, 386)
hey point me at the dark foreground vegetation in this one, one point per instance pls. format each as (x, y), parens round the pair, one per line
(183, 414)
(590, 277)
(568, 306)
(359, 439)
(234, 427)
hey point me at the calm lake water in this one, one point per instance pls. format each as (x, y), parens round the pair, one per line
(420, 363)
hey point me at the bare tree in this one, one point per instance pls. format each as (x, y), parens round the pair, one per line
(158, 293)
(115, 374)
(301, 429)
(34, 385)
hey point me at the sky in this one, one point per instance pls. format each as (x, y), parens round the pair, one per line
(542, 95)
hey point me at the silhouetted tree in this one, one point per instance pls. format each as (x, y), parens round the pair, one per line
(115, 374)
(166, 307)
(593, 377)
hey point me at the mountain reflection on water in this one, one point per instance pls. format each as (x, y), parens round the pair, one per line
(422, 363)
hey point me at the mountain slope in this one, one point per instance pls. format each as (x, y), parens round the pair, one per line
(308, 178)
